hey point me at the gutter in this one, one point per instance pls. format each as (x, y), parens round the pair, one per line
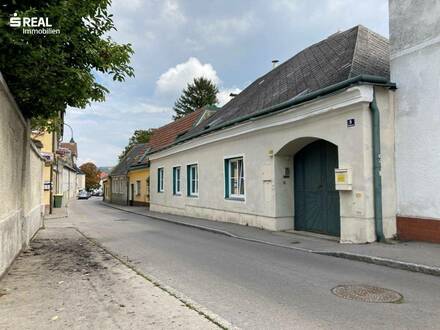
(366, 79)
(377, 178)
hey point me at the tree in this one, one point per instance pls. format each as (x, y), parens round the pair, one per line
(46, 73)
(92, 175)
(197, 94)
(139, 136)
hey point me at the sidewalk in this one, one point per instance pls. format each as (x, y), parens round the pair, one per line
(66, 281)
(412, 256)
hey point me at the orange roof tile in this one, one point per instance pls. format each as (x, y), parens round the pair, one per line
(166, 135)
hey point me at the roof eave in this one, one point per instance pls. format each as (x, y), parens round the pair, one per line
(360, 79)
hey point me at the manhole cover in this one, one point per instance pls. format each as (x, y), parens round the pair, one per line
(367, 293)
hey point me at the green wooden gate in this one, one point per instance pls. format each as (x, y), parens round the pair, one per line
(316, 200)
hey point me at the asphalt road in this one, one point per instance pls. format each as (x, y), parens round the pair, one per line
(257, 286)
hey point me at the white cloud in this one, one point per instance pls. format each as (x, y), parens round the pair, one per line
(226, 30)
(171, 12)
(175, 79)
(224, 95)
(145, 108)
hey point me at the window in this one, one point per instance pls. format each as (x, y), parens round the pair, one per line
(160, 179)
(234, 178)
(193, 180)
(138, 188)
(176, 180)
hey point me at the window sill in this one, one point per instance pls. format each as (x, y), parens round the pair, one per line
(177, 194)
(236, 199)
(193, 196)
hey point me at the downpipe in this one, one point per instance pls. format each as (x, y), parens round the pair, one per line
(377, 167)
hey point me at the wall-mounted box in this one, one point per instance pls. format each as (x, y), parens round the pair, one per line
(343, 179)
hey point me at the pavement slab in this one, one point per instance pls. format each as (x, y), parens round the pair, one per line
(65, 281)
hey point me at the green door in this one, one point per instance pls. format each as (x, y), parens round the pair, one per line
(316, 200)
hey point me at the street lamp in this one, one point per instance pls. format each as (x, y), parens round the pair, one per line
(71, 132)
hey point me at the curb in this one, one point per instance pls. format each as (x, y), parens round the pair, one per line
(408, 266)
(412, 267)
(188, 302)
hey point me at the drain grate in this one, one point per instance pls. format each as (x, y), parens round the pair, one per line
(367, 293)
(120, 220)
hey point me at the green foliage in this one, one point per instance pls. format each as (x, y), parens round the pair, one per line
(197, 94)
(92, 175)
(48, 73)
(139, 136)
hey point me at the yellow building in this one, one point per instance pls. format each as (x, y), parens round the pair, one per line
(139, 185)
(48, 141)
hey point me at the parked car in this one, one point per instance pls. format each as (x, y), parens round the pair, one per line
(83, 195)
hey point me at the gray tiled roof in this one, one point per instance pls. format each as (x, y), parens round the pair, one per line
(131, 158)
(341, 56)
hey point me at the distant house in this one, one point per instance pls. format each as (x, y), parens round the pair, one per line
(119, 176)
(300, 148)
(129, 181)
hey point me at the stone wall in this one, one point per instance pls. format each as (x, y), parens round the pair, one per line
(21, 177)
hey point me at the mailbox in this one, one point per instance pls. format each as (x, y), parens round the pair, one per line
(343, 179)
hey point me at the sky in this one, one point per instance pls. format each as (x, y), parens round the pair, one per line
(230, 42)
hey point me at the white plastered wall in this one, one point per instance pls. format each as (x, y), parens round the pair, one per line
(268, 146)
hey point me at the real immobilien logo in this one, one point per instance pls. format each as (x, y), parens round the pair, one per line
(33, 25)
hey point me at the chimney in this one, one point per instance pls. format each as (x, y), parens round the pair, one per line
(274, 63)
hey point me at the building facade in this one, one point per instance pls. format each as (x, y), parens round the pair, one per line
(415, 67)
(306, 156)
(119, 177)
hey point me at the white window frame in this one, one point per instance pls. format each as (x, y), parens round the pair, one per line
(177, 182)
(196, 180)
(229, 194)
(137, 186)
(160, 178)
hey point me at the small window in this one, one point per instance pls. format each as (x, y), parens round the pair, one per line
(160, 179)
(193, 180)
(176, 180)
(138, 188)
(234, 178)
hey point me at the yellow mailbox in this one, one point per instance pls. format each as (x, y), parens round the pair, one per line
(343, 179)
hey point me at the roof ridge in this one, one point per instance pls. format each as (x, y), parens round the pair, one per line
(356, 43)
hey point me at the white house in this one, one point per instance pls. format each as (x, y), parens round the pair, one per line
(308, 146)
(415, 67)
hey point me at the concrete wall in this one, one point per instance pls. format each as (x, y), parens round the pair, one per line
(415, 67)
(119, 190)
(80, 182)
(69, 184)
(21, 177)
(268, 146)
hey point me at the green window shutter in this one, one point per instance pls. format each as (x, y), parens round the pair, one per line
(226, 178)
(158, 179)
(174, 180)
(188, 183)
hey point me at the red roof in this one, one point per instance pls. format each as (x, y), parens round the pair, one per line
(71, 146)
(166, 135)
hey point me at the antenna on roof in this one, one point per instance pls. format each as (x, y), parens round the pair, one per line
(233, 94)
(274, 63)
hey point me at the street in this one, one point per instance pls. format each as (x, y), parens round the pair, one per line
(256, 286)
